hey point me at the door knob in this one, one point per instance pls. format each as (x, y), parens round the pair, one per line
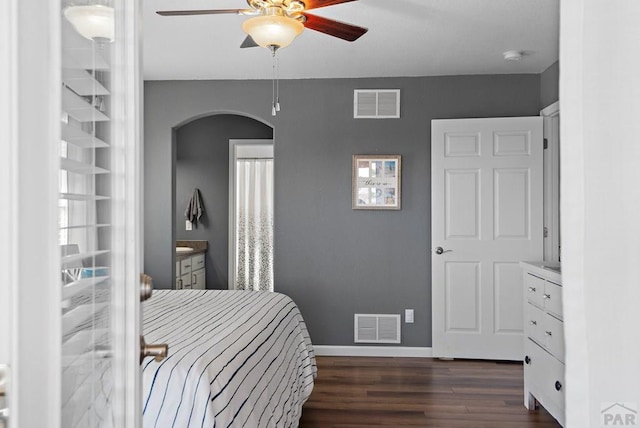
(146, 287)
(159, 350)
(440, 250)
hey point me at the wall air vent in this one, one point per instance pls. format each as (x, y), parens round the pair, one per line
(376, 103)
(376, 328)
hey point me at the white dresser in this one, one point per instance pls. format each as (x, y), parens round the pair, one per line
(191, 272)
(543, 339)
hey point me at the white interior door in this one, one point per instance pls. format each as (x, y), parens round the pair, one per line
(487, 216)
(69, 316)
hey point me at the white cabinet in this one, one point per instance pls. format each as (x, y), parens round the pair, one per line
(198, 273)
(191, 272)
(198, 279)
(543, 340)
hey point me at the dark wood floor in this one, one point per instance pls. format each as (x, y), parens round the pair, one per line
(356, 392)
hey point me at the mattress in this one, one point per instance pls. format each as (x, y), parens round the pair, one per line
(236, 359)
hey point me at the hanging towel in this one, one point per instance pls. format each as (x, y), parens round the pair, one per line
(195, 208)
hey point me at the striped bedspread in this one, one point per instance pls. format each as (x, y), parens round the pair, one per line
(236, 359)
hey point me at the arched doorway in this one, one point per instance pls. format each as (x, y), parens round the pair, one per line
(201, 160)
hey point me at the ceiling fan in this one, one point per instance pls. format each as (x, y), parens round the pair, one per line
(277, 22)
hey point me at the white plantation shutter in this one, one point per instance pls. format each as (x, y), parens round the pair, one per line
(85, 232)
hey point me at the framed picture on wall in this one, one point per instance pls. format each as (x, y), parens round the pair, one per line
(376, 182)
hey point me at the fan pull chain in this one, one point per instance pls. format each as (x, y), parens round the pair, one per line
(274, 107)
(278, 84)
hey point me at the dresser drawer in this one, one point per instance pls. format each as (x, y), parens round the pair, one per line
(185, 266)
(545, 378)
(534, 323)
(554, 336)
(553, 298)
(534, 289)
(197, 262)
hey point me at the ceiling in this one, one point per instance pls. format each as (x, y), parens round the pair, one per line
(405, 38)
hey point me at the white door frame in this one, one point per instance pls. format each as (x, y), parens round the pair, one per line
(30, 260)
(257, 148)
(8, 124)
(551, 125)
(127, 148)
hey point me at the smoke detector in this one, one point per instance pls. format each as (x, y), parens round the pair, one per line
(512, 55)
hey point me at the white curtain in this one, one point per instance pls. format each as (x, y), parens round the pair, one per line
(254, 225)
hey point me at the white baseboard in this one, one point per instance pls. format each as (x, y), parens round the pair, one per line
(372, 351)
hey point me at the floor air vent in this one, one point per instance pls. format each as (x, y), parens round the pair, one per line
(376, 328)
(376, 103)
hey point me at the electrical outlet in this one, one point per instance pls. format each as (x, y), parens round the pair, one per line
(408, 316)
(188, 225)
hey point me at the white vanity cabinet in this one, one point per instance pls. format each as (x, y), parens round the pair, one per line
(191, 272)
(543, 339)
(198, 272)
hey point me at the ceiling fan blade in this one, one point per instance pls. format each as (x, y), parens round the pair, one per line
(249, 43)
(334, 28)
(203, 12)
(315, 4)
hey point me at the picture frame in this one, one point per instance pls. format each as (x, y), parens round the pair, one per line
(376, 182)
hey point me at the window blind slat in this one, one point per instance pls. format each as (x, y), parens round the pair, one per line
(79, 138)
(79, 108)
(67, 260)
(82, 197)
(82, 82)
(77, 167)
(85, 226)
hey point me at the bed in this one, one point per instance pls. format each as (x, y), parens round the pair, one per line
(236, 359)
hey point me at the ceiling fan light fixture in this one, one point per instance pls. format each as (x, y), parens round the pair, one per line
(94, 22)
(273, 30)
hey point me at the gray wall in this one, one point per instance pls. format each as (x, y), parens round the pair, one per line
(202, 161)
(333, 261)
(549, 85)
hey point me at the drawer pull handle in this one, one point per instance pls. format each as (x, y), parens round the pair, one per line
(558, 385)
(548, 333)
(533, 322)
(527, 359)
(546, 296)
(532, 289)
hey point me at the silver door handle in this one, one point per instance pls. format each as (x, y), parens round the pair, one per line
(440, 250)
(158, 351)
(146, 287)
